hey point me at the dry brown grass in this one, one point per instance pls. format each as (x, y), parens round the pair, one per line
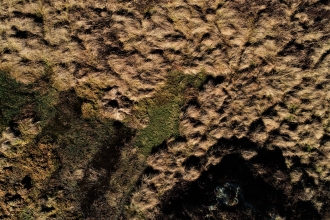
(273, 57)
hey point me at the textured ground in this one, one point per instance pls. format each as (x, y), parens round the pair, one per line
(262, 112)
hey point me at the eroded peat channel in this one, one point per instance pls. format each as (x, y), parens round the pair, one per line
(243, 185)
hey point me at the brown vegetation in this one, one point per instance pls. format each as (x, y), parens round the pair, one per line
(96, 67)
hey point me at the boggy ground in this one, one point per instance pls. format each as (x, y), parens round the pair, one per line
(164, 109)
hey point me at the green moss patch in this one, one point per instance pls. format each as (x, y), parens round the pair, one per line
(13, 97)
(163, 110)
(18, 100)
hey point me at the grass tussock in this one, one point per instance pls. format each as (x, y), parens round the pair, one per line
(163, 110)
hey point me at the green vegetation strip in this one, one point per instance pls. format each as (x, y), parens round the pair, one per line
(163, 110)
